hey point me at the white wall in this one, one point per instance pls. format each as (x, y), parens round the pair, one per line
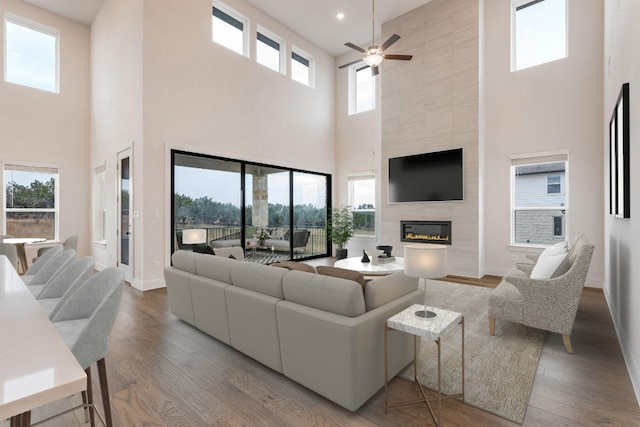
(357, 148)
(116, 111)
(549, 107)
(196, 95)
(44, 127)
(622, 236)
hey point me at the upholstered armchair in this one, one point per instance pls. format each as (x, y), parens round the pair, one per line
(548, 304)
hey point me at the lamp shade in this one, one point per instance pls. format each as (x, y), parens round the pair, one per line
(194, 236)
(425, 260)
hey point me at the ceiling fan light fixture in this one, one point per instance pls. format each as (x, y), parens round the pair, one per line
(373, 57)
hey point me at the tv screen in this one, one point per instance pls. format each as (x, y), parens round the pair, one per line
(426, 177)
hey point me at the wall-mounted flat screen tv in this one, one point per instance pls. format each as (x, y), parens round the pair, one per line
(427, 177)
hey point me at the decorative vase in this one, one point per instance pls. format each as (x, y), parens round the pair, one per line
(341, 253)
(365, 258)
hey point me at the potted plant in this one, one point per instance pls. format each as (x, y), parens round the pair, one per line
(341, 229)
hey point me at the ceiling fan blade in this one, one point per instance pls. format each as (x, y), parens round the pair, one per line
(391, 40)
(375, 71)
(400, 57)
(353, 46)
(350, 63)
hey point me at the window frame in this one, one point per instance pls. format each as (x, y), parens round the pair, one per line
(34, 26)
(274, 38)
(354, 93)
(99, 206)
(535, 159)
(351, 179)
(25, 166)
(234, 14)
(517, 5)
(296, 51)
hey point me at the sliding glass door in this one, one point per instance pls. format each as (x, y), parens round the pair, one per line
(207, 201)
(283, 213)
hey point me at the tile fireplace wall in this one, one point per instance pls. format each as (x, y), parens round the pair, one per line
(431, 103)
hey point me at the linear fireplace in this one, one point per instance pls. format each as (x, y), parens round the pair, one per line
(426, 231)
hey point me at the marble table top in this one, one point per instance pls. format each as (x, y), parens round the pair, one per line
(433, 328)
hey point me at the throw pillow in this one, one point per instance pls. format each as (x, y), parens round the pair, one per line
(550, 266)
(557, 249)
(293, 265)
(341, 273)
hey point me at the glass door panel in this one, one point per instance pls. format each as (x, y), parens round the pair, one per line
(207, 202)
(309, 215)
(267, 214)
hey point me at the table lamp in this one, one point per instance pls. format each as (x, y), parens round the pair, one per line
(426, 261)
(194, 236)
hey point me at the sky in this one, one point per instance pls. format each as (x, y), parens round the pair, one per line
(30, 57)
(541, 33)
(224, 186)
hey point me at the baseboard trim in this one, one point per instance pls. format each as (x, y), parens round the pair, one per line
(627, 354)
(148, 285)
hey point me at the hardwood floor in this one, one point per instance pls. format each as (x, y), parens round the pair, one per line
(164, 372)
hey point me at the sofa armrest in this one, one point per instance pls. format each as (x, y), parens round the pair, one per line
(179, 293)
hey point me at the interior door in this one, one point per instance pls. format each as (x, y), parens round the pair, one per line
(125, 223)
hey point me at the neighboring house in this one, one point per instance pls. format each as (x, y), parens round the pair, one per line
(540, 204)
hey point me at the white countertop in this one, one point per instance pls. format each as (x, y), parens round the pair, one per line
(36, 365)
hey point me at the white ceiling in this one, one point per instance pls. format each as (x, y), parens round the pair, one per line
(79, 10)
(315, 20)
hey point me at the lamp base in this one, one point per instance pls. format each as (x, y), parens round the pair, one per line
(425, 314)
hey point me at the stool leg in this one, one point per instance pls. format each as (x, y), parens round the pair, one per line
(90, 397)
(86, 408)
(104, 389)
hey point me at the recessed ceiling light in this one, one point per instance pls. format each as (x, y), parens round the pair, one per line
(340, 16)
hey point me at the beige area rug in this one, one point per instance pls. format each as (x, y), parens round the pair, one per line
(499, 370)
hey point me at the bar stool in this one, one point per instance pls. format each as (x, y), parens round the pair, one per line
(64, 284)
(84, 322)
(57, 263)
(41, 262)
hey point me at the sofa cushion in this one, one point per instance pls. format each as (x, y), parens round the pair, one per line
(294, 265)
(258, 278)
(342, 273)
(214, 267)
(384, 289)
(184, 260)
(332, 294)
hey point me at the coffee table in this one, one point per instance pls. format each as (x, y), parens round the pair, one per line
(369, 268)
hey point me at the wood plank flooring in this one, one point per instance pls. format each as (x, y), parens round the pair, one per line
(164, 372)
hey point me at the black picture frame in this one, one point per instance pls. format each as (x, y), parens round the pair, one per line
(619, 160)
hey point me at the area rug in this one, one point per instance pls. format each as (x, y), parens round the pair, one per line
(499, 370)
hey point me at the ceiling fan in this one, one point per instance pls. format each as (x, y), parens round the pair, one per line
(374, 55)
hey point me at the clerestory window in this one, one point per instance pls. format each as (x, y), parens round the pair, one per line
(31, 54)
(539, 32)
(229, 28)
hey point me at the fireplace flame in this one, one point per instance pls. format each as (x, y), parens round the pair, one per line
(430, 237)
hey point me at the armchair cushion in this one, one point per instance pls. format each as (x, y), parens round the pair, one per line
(550, 266)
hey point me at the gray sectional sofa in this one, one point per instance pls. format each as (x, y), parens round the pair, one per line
(326, 333)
